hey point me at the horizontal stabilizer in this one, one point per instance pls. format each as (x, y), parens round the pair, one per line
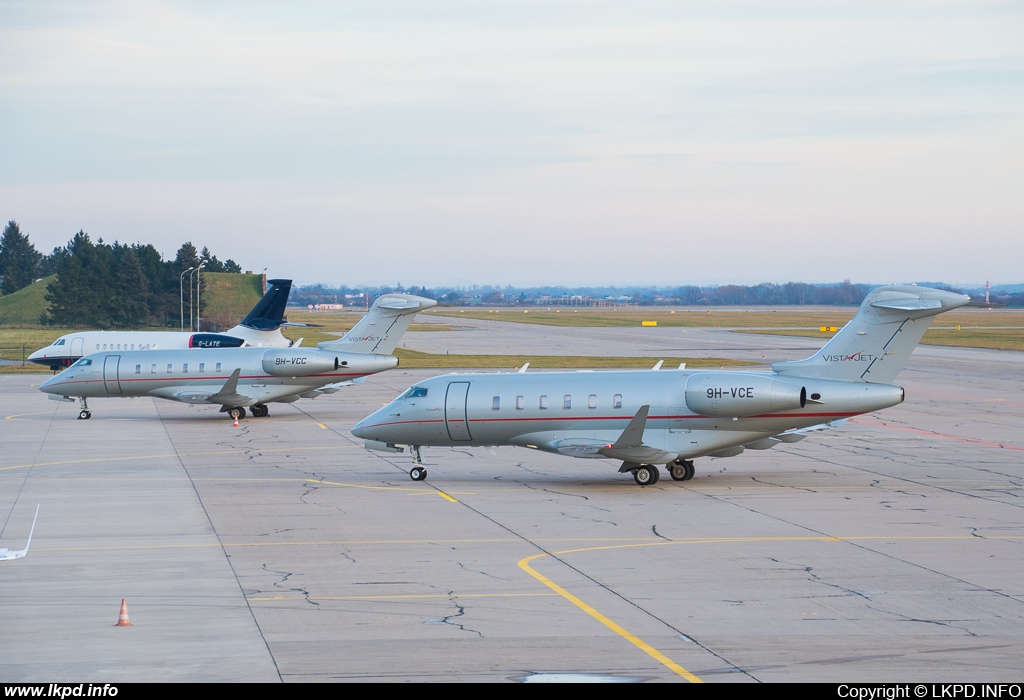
(382, 328)
(875, 344)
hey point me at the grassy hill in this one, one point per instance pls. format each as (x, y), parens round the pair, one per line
(23, 307)
(228, 297)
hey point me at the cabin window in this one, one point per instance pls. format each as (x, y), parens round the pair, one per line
(617, 401)
(218, 367)
(592, 401)
(133, 346)
(543, 403)
(138, 369)
(567, 401)
(496, 403)
(169, 368)
(104, 346)
(98, 346)
(520, 403)
(153, 369)
(202, 366)
(184, 368)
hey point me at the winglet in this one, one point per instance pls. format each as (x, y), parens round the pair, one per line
(658, 366)
(8, 554)
(231, 385)
(633, 435)
(228, 394)
(522, 370)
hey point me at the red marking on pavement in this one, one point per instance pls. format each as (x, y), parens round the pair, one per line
(941, 435)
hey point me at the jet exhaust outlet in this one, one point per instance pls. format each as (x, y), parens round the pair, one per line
(739, 394)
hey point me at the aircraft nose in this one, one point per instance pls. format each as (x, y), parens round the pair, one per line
(362, 428)
(48, 385)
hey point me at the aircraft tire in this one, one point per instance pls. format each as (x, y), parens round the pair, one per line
(417, 473)
(85, 415)
(259, 411)
(645, 475)
(683, 470)
(237, 412)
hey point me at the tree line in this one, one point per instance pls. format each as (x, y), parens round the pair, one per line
(104, 285)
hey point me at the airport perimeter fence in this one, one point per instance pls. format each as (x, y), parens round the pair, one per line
(15, 354)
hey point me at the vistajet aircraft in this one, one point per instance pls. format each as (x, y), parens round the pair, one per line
(261, 328)
(647, 418)
(247, 377)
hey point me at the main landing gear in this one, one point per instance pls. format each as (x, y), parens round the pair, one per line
(646, 475)
(682, 470)
(85, 413)
(258, 410)
(418, 471)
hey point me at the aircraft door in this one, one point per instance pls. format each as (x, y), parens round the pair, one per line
(455, 418)
(77, 347)
(111, 382)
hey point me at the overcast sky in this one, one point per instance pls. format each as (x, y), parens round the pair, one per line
(526, 142)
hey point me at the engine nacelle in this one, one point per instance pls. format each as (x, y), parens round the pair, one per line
(214, 340)
(738, 394)
(299, 362)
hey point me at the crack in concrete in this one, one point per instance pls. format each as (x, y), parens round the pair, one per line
(285, 575)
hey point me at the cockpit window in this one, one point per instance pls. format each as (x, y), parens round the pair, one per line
(84, 362)
(417, 392)
(59, 341)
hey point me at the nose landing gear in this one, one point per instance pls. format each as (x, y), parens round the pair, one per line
(85, 413)
(418, 471)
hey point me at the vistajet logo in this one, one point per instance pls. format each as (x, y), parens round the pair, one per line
(855, 357)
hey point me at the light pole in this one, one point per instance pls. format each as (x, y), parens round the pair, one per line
(190, 307)
(199, 308)
(181, 294)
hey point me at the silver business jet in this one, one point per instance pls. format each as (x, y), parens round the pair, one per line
(647, 418)
(246, 377)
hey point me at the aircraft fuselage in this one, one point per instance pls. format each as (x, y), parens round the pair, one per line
(582, 413)
(194, 376)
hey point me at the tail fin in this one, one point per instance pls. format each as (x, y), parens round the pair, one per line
(268, 314)
(382, 328)
(875, 344)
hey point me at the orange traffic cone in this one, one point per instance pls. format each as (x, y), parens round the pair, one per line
(236, 422)
(122, 619)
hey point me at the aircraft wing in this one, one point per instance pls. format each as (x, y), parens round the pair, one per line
(629, 447)
(228, 394)
(18, 554)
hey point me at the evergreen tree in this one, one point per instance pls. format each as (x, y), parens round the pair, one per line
(127, 303)
(18, 259)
